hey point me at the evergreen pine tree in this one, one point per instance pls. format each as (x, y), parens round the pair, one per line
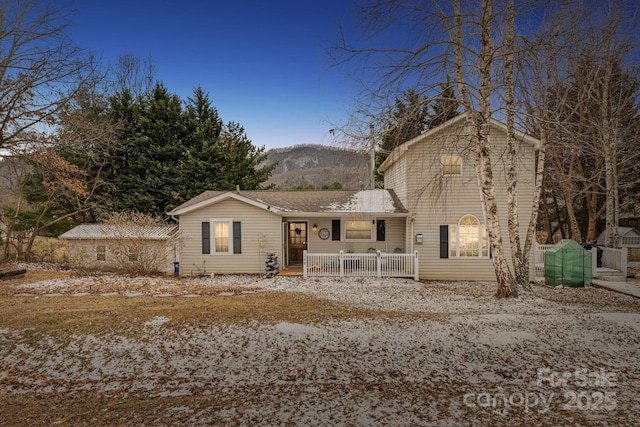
(242, 160)
(204, 156)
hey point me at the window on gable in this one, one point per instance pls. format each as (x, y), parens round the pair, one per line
(451, 165)
(101, 253)
(468, 238)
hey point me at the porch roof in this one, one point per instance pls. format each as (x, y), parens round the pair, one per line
(307, 202)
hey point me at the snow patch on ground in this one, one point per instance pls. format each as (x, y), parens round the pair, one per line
(157, 321)
(424, 359)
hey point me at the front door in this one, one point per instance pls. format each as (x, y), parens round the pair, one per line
(297, 242)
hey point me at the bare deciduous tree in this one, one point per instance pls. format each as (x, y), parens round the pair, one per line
(39, 69)
(477, 42)
(593, 121)
(133, 74)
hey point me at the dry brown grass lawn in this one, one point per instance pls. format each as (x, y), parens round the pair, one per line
(49, 388)
(64, 316)
(98, 314)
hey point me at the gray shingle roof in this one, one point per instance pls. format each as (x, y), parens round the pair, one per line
(315, 201)
(111, 231)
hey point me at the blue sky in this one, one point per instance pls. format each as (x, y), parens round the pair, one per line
(264, 63)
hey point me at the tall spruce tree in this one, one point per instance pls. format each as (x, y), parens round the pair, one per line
(241, 160)
(155, 154)
(412, 115)
(444, 107)
(204, 155)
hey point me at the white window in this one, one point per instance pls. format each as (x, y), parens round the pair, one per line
(468, 238)
(221, 236)
(101, 253)
(358, 230)
(451, 165)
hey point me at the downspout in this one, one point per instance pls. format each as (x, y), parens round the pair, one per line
(411, 235)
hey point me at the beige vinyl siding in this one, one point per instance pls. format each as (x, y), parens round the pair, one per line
(259, 227)
(394, 238)
(395, 178)
(442, 200)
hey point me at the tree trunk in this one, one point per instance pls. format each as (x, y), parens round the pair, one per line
(519, 255)
(506, 285)
(478, 131)
(609, 154)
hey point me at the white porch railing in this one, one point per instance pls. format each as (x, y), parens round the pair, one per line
(539, 258)
(615, 259)
(379, 264)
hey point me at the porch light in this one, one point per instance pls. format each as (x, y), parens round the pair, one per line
(315, 228)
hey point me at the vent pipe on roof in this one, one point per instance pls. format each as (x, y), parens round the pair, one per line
(238, 189)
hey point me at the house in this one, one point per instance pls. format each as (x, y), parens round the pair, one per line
(434, 177)
(232, 231)
(430, 203)
(124, 248)
(628, 237)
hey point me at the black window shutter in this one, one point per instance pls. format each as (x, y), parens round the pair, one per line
(335, 229)
(444, 241)
(237, 237)
(206, 238)
(381, 230)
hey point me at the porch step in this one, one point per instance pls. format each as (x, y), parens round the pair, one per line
(610, 275)
(619, 278)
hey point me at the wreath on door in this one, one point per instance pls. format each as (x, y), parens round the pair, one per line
(298, 230)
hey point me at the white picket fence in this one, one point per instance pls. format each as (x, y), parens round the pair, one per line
(539, 258)
(379, 264)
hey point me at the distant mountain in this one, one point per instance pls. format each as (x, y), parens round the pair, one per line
(317, 165)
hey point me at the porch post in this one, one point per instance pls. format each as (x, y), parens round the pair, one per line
(341, 260)
(416, 266)
(304, 263)
(378, 264)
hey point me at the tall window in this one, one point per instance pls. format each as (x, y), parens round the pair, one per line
(221, 236)
(451, 165)
(468, 238)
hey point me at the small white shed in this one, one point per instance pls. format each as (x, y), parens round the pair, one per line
(143, 249)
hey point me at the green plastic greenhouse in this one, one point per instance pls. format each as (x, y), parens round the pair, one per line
(567, 264)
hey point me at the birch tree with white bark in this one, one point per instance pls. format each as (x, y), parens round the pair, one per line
(477, 43)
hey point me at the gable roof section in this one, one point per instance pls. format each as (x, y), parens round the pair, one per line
(114, 231)
(399, 151)
(622, 232)
(304, 202)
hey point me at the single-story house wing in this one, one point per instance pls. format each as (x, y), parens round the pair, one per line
(233, 231)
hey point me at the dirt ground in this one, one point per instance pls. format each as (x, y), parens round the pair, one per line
(107, 350)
